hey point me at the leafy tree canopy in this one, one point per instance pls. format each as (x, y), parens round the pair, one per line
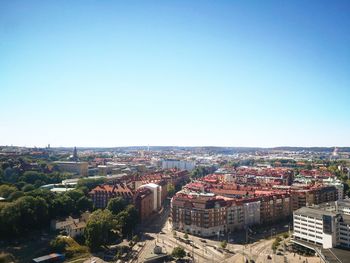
(116, 205)
(99, 229)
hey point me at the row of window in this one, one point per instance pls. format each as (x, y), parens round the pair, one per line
(297, 224)
(307, 234)
(303, 217)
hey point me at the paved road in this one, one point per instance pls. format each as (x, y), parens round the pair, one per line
(150, 233)
(159, 232)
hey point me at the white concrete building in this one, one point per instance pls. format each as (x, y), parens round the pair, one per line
(315, 226)
(178, 164)
(327, 225)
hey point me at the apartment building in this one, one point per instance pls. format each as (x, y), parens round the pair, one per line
(156, 191)
(209, 214)
(199, 214)
(101, 194)
(144, 203)
(274, 207)
(241, 213)
(312, 195)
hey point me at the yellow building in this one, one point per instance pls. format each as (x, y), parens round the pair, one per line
(80, 168)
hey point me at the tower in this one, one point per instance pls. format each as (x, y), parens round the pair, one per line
(75, 154)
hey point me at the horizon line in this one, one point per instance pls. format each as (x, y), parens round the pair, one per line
(179, 146)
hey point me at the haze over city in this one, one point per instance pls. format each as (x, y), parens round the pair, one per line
(190, 73)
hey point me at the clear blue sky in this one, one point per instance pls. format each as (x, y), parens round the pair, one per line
(224, 73)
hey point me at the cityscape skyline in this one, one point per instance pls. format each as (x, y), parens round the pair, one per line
(164, 73)
(174, 131)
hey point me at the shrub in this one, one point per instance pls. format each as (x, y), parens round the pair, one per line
(178, 252)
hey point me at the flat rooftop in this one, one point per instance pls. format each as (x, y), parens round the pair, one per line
(313, 212)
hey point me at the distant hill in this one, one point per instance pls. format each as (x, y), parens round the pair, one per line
(222, 150)
(208, 149)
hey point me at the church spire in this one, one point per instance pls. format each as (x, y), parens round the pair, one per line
(75, 154)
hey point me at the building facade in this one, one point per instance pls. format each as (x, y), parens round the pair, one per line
(202, 215)
(178, 164)
(156, 191)
(326, 226)
(314, 195)
(79, 168)
(143, 201)
(101, 194)
(209, 214)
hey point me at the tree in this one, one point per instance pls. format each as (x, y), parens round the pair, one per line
(22, 215)
(28, 188)
(1, 175)
(116, 205)
(274, 247)
(6, 190)
(80, 202)
(75, 195)
(62, 205)
(68, 246)
(31, 176)
(223, 244)
(185, 236)
(276, 243)
(174, 234)
(199, 172)
(170, 189)
(90, 183)
(84, 189)
(83, 204)
(99, 229)
(15, 195)
(178, 252)
(127, 220)
(135, 238)
(58, 244)
(10, 175)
